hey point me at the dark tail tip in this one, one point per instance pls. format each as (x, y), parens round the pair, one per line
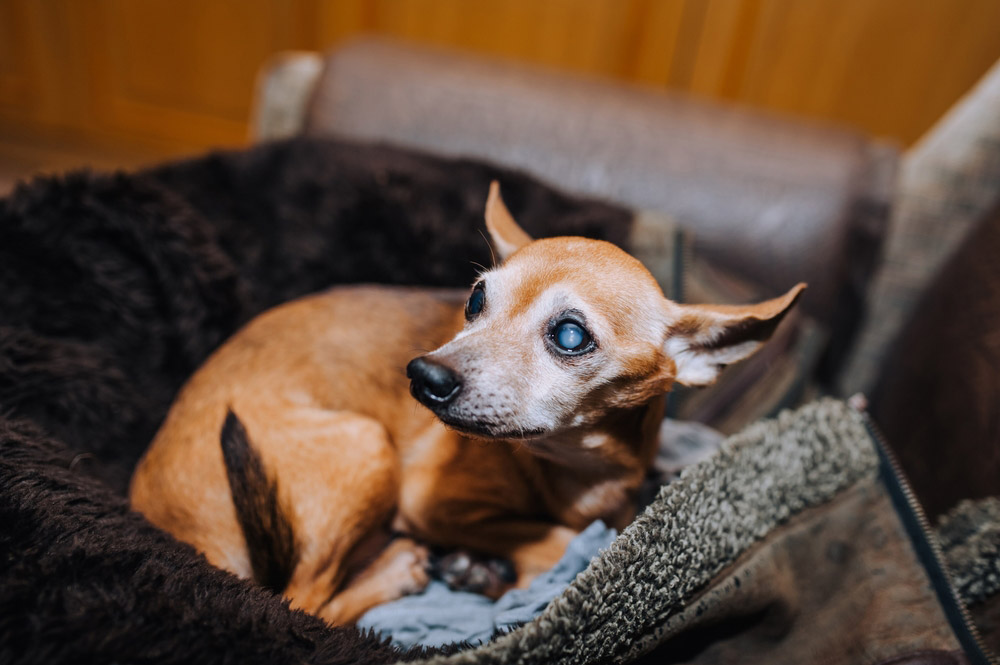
(268, 534)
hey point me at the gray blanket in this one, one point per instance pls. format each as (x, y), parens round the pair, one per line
(440, 616)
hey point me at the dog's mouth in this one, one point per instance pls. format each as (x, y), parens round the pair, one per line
(438, 388)
(483, 429)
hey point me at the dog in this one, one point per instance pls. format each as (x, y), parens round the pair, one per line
(300, 455)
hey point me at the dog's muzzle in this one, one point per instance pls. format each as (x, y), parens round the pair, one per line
(433, 384)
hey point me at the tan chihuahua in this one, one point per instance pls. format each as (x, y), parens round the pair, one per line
(544, 398)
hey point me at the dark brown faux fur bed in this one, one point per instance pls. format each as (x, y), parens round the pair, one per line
(113, 288)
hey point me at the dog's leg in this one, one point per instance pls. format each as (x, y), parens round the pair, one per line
(463, 570)
(400, 569)
(538, 548)
(337, 476)
(533, 547)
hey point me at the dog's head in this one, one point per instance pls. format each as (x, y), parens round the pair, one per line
(567, 330)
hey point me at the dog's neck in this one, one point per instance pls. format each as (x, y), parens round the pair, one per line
(595, 472)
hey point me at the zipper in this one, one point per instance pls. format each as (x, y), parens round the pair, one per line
(937, 569)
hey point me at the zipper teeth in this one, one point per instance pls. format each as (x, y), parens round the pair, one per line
(930, 537)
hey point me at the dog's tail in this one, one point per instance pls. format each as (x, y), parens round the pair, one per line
(268, 533)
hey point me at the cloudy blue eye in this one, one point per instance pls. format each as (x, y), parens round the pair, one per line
(475, 303)
(570, 336)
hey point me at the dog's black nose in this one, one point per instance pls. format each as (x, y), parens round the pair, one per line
(432, 383)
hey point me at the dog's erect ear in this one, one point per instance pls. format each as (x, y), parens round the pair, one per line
(703, 339)
(507, 236)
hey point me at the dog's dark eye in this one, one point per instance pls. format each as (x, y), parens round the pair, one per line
(476, 301)
(570, 336)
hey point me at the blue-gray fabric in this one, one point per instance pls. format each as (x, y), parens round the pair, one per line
(439, 616)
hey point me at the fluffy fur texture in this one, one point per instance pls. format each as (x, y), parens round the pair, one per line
(113, 289)
(970, 538)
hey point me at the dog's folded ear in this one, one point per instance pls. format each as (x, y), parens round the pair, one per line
(703, 339)
(507, 236)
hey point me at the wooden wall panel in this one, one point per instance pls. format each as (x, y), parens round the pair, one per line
(34, 63)
(180, 71)
(604, 37)
(890, 67)
(15, 74)
(178, 74)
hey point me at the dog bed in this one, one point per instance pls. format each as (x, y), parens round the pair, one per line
(113, 288)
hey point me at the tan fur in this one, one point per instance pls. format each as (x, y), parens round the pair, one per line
(319, 384)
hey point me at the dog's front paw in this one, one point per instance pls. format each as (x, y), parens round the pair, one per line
(407, 566)
(464, 571)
